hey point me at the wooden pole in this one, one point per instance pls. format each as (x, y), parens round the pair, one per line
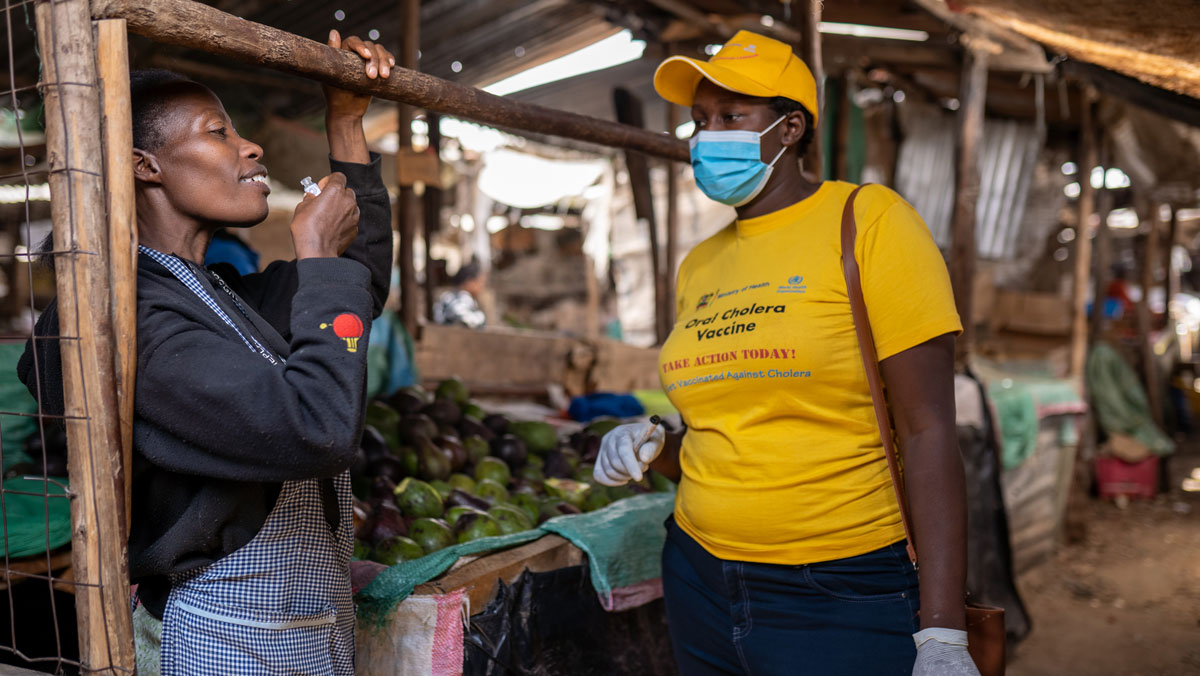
(1144, 321)
(431, 207)
(82, 276)
(1083, 242)
(672, 221)
(407, 205)
(968, 144)
(1103, 243)
(629, 111)
(1170, 278)
(192, 24)
(112, 51)
(808, 21)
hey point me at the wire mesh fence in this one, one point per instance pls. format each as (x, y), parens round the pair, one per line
(34, 498)
(41, 578)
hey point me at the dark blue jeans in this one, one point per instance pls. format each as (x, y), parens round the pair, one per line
(849, 617)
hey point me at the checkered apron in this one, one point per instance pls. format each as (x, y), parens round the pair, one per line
(280, 605)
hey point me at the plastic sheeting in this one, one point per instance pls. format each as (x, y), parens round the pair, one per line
(990, 577)
(1120, 400)
(623, 542)
(551, 623)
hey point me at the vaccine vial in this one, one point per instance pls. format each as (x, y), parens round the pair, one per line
(310, 187)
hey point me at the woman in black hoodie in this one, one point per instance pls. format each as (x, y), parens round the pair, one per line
(250, 389)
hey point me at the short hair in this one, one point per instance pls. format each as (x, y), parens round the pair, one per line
(782, 105)
(150, 92)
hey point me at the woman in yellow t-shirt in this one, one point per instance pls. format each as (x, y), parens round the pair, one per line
(786, 552)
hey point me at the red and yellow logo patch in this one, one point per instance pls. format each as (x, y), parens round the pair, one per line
(349, 328)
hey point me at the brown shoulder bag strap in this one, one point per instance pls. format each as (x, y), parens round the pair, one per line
(866, 346)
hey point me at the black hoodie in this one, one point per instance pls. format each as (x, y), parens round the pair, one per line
(217, 427)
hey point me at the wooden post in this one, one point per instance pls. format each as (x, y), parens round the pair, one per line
(672, 221)
(968, 144)
(1083, 242)
(1145, 323)
(74, 147)
(808, 21)
(407, 205)
(431, 207)
(198, 26)
(1103, 243)
(629, 111)
(1171, 278)
(112, 51)
(591, 288)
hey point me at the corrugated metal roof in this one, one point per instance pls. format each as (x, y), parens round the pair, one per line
(925, 177)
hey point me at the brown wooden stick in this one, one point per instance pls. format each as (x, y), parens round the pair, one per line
(408, 207)
(112, 50)
(191, 24)
(1086, 159)
(73, 142)
(967, 147)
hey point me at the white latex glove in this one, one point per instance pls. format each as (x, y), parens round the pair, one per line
(619, 461)
(943, 652)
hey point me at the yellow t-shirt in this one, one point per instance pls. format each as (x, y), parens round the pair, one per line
(782, 461)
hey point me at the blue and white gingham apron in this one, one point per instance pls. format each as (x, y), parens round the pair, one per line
(281, 604)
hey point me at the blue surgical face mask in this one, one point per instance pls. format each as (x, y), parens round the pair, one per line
(728, 164)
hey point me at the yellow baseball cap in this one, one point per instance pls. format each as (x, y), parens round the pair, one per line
(750, 64)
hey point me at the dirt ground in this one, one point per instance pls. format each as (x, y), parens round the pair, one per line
(1125, 600)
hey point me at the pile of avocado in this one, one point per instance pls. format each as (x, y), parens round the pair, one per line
(434, 470)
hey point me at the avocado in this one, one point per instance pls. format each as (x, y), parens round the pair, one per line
(452, 389)
(453, 514)
(373, 445)
(387, 522)
(552, 507)
(472, 526)
(432, 462)
(536, 461)
(596, 498)
(472, 409)
(396, 550)
(601, 426)
(431, 534)
(462, 482)
(416, 426)
(470, 426)
(477, 448)
(409, 459)
(584, 473)
(461, 498)
(362, 551)
(511, 450)
(453, 449)
(491, 491)
(528, 504)
(408, 401)
(512, 519)
(418, 499)
(530, 473)
(443, 488)
(571, 491)
(385, 420)
(539, 437)
(389, 466)
(496, 422)
(494, 469)
(661, 483)
(443, 411)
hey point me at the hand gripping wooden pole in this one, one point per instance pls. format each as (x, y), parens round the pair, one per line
(191, 24)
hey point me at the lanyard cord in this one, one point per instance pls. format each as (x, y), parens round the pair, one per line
(183, 272)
